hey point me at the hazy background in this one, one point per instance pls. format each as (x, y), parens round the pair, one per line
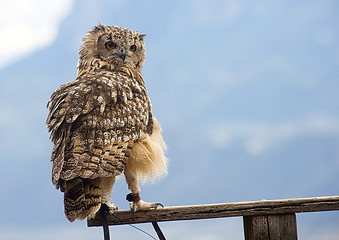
(247, 95)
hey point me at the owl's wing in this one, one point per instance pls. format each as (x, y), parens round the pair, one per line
(93, 121)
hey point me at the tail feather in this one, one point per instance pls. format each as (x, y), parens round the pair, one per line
(82, 198)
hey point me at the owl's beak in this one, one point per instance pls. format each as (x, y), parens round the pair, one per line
(122, 54)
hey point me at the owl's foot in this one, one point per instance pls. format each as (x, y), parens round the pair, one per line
(109, 207)
(139, 205)
(105, 207)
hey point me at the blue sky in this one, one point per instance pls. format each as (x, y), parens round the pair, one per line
(247, 95)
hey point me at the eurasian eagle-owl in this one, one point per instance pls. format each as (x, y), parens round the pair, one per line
(102, 125)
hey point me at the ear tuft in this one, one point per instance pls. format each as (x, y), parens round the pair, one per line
(141, 36)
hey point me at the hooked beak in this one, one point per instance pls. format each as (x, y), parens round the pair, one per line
(122, 54)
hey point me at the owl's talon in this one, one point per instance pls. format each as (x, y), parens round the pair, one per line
(109, 207)
(142, 206)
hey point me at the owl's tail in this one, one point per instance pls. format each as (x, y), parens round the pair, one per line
(82, 198)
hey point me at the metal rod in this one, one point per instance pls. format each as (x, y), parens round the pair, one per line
(104, 224)
(158, 231)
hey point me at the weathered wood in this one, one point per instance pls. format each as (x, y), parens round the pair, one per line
(256, 228)
(271, 227)
(282, 226)
(255, 208)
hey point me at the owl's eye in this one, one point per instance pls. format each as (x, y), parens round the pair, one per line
(110, 45)
(133, 48)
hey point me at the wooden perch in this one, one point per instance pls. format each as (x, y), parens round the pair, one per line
(255, 208)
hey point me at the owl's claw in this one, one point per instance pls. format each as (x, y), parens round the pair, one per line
(141, 205)
(109, 207)
(136, 204)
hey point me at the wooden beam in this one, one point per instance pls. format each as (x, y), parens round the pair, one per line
(255, 208)
(271, 227)
(256, 228)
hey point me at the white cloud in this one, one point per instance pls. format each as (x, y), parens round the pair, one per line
(256, 137)
(27, 25)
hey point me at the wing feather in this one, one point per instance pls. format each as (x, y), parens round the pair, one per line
(93, 123)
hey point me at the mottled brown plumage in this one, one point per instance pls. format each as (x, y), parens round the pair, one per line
(101, 124)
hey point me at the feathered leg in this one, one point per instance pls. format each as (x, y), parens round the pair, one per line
(106, 188)
(136, 203)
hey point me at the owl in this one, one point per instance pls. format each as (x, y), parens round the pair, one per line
(102, 125)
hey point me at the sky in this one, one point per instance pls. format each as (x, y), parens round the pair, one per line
(246, 93)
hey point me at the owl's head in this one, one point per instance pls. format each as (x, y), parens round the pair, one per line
(112, 47)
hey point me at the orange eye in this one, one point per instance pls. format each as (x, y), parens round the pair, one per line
(110, 45)
(133, 48)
